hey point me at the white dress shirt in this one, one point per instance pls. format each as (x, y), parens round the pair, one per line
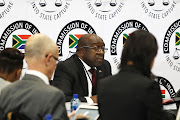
(39, 74)
(89, 78)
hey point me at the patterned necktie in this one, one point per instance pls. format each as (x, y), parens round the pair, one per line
(93, 72)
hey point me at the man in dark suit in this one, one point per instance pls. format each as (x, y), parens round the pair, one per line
(33, 96)
(72, 76)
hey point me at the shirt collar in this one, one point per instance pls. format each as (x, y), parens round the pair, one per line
(87, 67)
(39, 74)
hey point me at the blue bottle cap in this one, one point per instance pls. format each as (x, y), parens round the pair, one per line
(48, 117)
(75, 96)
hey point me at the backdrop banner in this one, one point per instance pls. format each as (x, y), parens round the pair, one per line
(65, 21)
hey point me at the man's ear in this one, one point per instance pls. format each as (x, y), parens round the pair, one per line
(18, 73)
(47, 59)
(82, 51)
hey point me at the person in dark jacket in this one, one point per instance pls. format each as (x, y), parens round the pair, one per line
(132, 94)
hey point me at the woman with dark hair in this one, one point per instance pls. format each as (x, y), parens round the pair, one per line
(132, 94)
(11, 63)
(139, 52)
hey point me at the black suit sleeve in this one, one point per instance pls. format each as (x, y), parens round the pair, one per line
(153, 101)
(63, 79)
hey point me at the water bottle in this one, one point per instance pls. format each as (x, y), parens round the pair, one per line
(75, 102)
(48, 117)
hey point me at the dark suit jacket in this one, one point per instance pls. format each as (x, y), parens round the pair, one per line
(130, 96)
(33, 98)
(70, 77)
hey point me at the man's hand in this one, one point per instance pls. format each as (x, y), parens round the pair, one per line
(94, 98)
(82, 117)
(70, 115)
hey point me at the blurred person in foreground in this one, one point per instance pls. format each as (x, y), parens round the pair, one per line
(133, 94)
(11, 63)
(33, 96)
(79, 73)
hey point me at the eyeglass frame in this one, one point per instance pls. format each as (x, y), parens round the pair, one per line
(97, 48)
(55, 58)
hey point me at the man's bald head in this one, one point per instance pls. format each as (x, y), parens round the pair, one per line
(87, 40)
(90, 49)
(40, 54)
(39, 45)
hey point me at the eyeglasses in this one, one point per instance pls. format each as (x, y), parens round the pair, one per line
(97, 49)
(55, 58)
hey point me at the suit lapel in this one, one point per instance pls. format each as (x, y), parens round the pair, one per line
(100, 72)
(82, 75)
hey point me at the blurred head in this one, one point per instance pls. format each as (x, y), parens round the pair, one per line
(91, 49)
(41, 54)
(139, 51)
(11, 63)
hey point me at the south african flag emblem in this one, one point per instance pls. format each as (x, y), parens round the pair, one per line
(19, 41)
(177, 38)
(73, 40)
(125, 36)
